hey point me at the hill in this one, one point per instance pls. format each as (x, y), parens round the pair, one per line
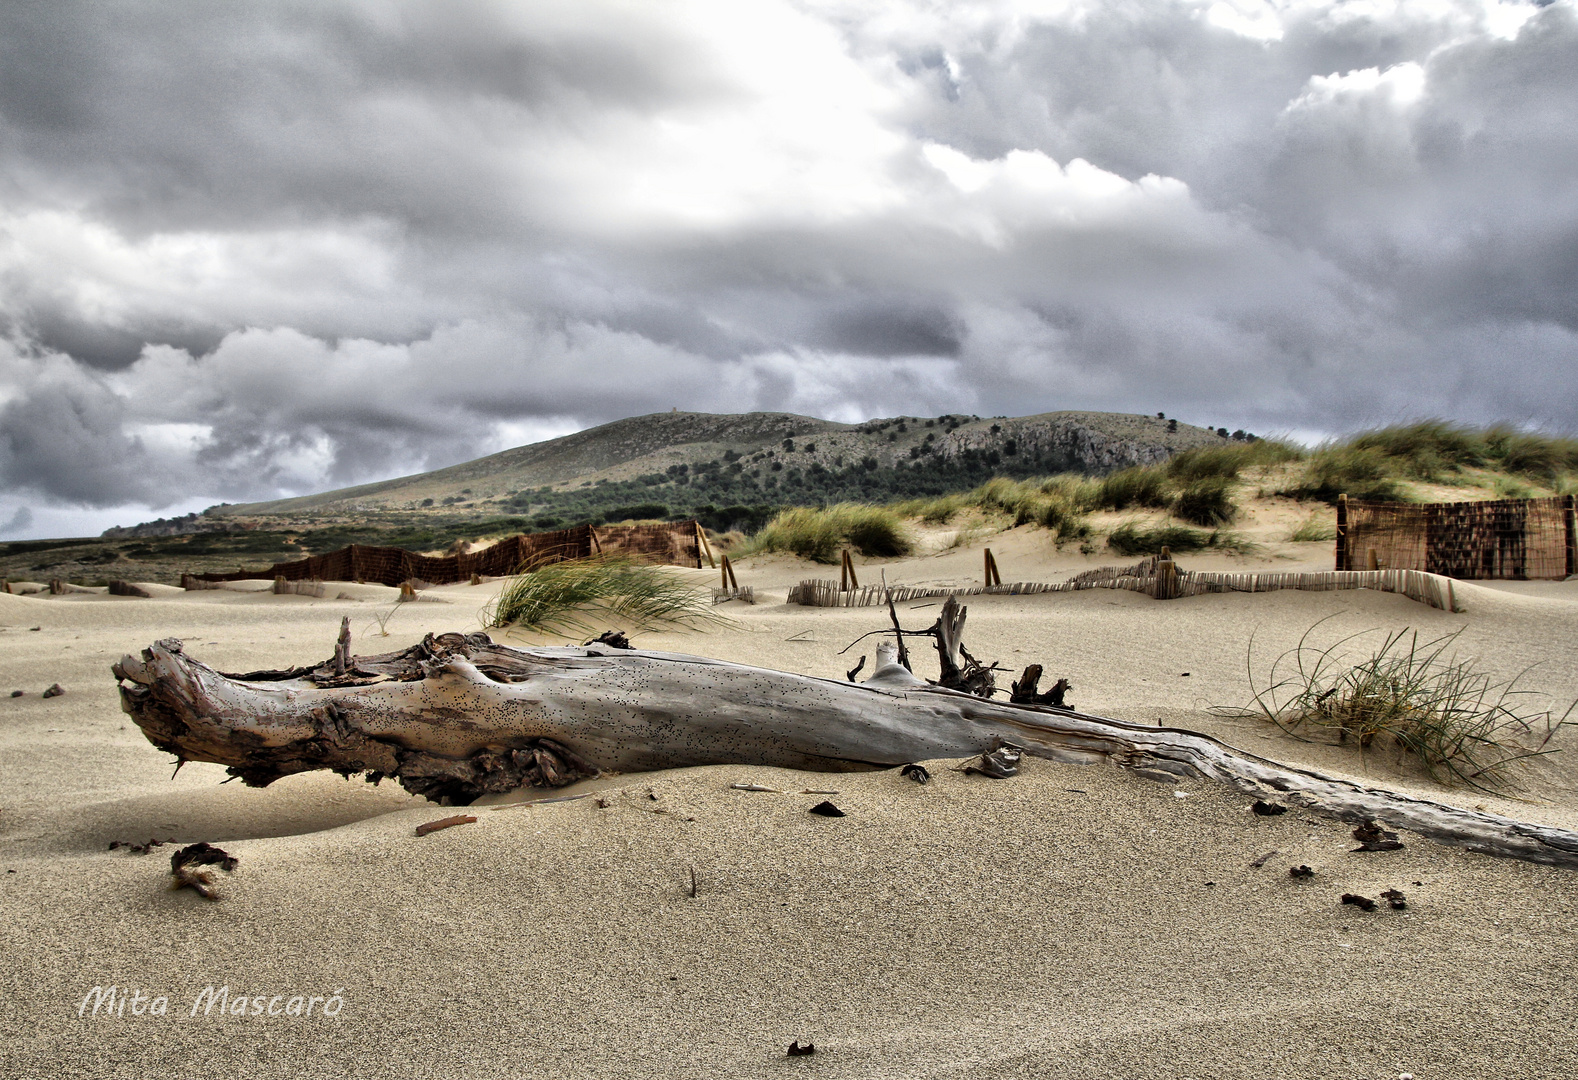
(680, 464)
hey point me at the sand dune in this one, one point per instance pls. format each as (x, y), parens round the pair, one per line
(1071, 922)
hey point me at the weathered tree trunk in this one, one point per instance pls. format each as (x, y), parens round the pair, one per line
(458, 716)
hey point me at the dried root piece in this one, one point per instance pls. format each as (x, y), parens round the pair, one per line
(186, 867)
(614, 639)
(1363, 903)
(796, 1050)
(1395, 898)
(1372, 837)
(1024, 692)
(1268, 809)
(1300, 873)
(999, 764)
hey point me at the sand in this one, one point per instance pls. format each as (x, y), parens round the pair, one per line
(1070, 922)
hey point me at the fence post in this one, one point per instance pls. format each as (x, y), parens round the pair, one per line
(846, 577)
(701, 546)
(1570, 516)
(992, 575)
(1342, 533)
(1166, 576)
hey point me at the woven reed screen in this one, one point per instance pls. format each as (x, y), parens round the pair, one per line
(676, 543)
(1505, 538)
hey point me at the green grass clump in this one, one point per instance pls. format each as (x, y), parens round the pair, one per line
(1459, 723)
(1425, 450)
(1135, 539)
(819, 534)
(1058, 503)
(1142, 486)
(1343, 470)
(1205, 501)
(1540, 457)
(938, 511)
(1229, 460)
(1439, 451)
(571, 598)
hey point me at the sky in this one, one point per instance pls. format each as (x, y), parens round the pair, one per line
(250, 251)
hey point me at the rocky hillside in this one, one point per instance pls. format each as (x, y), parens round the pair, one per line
(680, 461)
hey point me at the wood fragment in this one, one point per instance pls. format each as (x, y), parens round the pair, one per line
(999, 764)
(1372, 837)
(1258, 863)
(186, 867)
(445, 823)
(1024, 691)
(342, 646)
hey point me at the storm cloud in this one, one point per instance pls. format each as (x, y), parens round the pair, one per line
(261, 250)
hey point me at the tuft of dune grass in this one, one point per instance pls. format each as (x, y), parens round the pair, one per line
(818, 534)
(574, 597)
(1132, 538)
(1461, 724)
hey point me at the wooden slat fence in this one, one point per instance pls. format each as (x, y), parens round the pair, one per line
(1431, 589)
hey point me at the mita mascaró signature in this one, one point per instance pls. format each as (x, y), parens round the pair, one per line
(113, 1001)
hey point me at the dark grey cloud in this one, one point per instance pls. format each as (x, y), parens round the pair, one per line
(257, 250)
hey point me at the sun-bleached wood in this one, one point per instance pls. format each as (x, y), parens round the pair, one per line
(458, 716)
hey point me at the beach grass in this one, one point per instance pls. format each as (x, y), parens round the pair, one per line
(1461, 724)
(576, 597)
(1133, 538)
(819, 534)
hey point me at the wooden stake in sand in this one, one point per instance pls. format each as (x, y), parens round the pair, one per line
(458, 716)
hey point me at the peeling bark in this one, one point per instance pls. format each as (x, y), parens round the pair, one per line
(457, 716)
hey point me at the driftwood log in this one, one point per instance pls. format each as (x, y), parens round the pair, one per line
(458, 716)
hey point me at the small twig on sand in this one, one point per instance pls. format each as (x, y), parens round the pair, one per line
(445, 823)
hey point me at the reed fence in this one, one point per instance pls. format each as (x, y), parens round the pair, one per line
(1520, 539)
(674, 543)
